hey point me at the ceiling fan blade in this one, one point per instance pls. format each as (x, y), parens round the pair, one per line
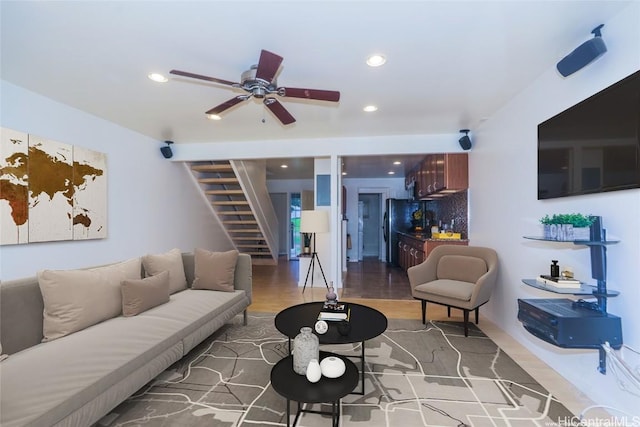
(279, 111)
(268, 65)
(198, 76)
(322, 95)
(227, 104)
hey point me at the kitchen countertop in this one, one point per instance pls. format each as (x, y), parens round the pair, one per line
(426, 237)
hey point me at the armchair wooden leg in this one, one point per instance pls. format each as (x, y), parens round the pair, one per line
(466, 322)
(477, 311)
(424, 311)
(448, 311)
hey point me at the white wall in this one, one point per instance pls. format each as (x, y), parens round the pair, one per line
(153, 204)
(504, 207)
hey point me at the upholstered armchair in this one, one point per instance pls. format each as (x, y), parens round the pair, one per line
(455, 276)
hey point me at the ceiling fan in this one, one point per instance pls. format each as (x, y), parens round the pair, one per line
(259, 81)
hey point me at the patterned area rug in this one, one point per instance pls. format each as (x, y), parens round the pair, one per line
(415, 376)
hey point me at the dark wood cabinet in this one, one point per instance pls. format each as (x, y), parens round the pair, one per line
(441, 173)
(413, 250)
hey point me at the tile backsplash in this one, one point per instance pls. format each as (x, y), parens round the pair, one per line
(453, 207)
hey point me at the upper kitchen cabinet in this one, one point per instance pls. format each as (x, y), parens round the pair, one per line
(440, 174)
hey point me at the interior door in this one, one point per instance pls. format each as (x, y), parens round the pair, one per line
(281, 207)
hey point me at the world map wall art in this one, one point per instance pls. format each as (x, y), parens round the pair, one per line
(50, 191)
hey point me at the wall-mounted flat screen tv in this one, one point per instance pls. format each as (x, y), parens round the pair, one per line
(593, 146)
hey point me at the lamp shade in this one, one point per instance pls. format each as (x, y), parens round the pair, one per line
(314, 222)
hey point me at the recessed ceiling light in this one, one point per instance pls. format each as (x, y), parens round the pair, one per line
(376, 60)
(344, 173)
(397, 162)
(157, 77)
(284, 166)
(391, 173)
(370, 108)
(214, 117)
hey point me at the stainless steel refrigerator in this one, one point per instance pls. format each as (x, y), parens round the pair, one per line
(398, 218)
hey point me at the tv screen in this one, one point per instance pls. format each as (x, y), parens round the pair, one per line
(593, 146)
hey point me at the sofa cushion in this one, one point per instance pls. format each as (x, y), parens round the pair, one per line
(169, 261)
(448, 288)
(461, 267)
(142, 294)
(76, 299)
(214, 270)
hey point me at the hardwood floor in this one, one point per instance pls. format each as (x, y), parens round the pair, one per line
(369, 282)
(387, 289)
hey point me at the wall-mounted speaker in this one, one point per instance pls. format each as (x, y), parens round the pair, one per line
(166, 151)
(584, 54)
(465, 141)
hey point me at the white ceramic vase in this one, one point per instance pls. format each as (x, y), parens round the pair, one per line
(332, 367)
(313, 371)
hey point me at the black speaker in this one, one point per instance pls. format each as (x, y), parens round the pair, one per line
(584, 54)
(465, 141)
(166, 151)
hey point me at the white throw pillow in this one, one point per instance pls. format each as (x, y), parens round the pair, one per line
(76, 299)
(170, 261)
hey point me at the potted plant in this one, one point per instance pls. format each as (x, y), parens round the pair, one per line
(567, 227)
(306, 238)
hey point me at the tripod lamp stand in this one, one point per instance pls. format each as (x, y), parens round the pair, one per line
(314, 222)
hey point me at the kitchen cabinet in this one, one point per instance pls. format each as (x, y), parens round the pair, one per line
(439, 174)
(414, 250)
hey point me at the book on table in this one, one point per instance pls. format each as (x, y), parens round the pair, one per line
(335, 312)
(559, 282)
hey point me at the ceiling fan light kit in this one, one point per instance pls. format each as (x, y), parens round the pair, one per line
(259, 81)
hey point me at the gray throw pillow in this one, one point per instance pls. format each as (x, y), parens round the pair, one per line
(214, 270)
(143, 294)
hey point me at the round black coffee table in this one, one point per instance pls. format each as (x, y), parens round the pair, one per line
(366, 323)
(296, 387)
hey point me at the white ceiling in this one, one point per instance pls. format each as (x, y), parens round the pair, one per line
(451, 64)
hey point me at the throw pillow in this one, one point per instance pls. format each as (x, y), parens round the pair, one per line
(170, 261)
(461, 267)
(142, 294)
(214, 270)
(76, 299)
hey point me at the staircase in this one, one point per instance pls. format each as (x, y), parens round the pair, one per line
(231, 190)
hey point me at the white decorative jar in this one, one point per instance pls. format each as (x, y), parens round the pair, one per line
(314, 373)
(332, 367)
(305, 347)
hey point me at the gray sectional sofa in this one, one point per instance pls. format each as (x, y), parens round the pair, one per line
(77, 379)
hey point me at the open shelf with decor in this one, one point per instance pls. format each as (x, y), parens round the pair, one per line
(576, 324)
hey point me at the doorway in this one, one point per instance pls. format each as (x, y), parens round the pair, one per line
(295, 208)
(369, 224)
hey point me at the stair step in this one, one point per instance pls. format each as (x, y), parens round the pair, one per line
(222, 213)
(223, 192)
(212, 168)
(218, 180)
(240, 221)
(255, 253)
(244, 238)
(230, 203)
(253, 246)
(245, 230)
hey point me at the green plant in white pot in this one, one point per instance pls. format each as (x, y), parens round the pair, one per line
(567, 227)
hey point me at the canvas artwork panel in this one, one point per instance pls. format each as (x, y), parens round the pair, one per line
(50, 190)
(89, 194)
(14, 196)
